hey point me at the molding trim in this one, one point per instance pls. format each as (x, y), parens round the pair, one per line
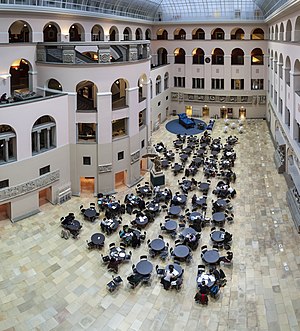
(104, 168)
(134, 157)
(30, 186)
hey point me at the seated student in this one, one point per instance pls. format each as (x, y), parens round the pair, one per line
(113, 265)
(3, 98)
(170, 275)
(203, 288)
(201, 298)
(135, 241)
(228, 258)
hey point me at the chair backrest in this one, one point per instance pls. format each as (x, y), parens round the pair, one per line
(143, 257)
(112, 245)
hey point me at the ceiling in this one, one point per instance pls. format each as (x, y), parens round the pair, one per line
(166, 10)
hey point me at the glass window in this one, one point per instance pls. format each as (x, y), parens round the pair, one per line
(7, 144)
(119, 128)
(43, 135)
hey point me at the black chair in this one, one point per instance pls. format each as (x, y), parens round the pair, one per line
(134, 280)
(159, 271)
(105, 259)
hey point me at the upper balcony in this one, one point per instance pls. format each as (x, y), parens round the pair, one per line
(96, 52)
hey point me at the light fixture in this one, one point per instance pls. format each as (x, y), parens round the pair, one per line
(49, 26)
(5, 76)
(25, 25)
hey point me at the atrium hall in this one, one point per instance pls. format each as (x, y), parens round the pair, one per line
(87, 89)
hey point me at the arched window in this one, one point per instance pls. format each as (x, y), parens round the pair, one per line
(43, 135)
(76, 32)
(148, 34)
(166, 81)
(297, 29)
(162, 34)
(51, 32)
(86, 96)
(287, 71)
(281, 32)
(19, 72)
(20, 32)
(119, 94)
(198, 56)
(179, 34)
(138, 34)
(288, 35)
(162, 56)
(127, 35)
(97, 33)
(113, 34)
(8, 143)
(257, 34)
(198, 34)
(179, 54)
(158, 85)
(217, 56)
(237, 34)
(218, 33)
(53, 85)
(142, 87)
(257, 57)
(237, 56)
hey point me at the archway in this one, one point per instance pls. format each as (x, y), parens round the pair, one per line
(19, 79)
(20, 32)
(51, 32)
(86, 96)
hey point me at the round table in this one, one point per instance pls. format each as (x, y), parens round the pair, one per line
(144, 189)
(218, 217)
(187, 231)
(187, 150)
(214, 152)
(177, 267)
(200, 152)
(177, 167)
(178, 143)
(73, 225)
(211, 256)
(203, 186)
(164, 163)
(183, 157)
(144, 267)
(207, 278)
(179, 199)
(217, 236)
(195, 215)
(153, 207)
(181, 251)
(113, 206)
(200, 201)
(171, 225)
(117, 253)
(221, 203)
(90, 213)
(174, 210)
(141, 220)
(98, 239)
(157, 245)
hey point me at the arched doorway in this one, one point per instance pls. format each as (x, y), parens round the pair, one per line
(51, 32)
(19, 79)
(20, 32)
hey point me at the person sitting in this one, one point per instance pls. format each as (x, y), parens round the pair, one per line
(113, 265)
(201, 298)
(3, 98)
(135, 241)
(228, 258)
(203, 288)
(170, 275)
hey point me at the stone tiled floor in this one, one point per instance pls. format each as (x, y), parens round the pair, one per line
(48, 283)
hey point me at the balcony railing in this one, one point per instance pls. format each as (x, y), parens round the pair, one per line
(97, 52)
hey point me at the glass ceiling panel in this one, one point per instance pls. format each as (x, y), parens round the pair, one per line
(165, 10)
